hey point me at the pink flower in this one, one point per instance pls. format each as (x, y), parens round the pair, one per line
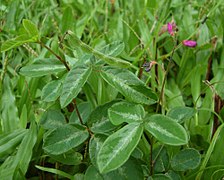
(189, 43)
(171, 28)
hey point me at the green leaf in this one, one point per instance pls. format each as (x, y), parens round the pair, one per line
(186, 159)
(166, 130)
(73, 83)
(52, 119)
(118, 147)
(113, 49)
(181, 114)
(98, 121)
(25, 150)
(93, 173)
(64, 138)
(18, 41)
(161, 159)
(9, 141)
(126, 82)
(38, 70)
(160, 177)
(126, 112)
(8, 108)
(51, 91)
(95, 144)
(69, 158)
(67, 22)
(31, 29)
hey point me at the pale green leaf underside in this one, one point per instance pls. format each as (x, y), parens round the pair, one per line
(118, 147)
(166, 130)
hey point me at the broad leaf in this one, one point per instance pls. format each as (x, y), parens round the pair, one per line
(126, 112)
(31, 29)
(181, 114)
(186, 159)
(94, 146)
(99, 121)
(64, 138)
(52, 119)
(18, 41)
(160, 177)
(73, 83)
(128, 85)
(118, 147)
(166, 130)
(38, 70)
(113, 49)
(51, 91)
(93, 173)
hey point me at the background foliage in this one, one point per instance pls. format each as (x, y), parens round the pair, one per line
(77, 103)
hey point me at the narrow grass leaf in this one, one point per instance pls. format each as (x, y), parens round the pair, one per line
(55, 171)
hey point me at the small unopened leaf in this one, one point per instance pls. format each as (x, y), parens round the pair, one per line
(126, 112)
(166, 130)
(186, 159)
(73, 83)
(64, 138)
(118, 147)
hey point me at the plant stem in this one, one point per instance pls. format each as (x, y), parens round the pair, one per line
(151, 159)
(165, 76)
(77, 111)
(56, 55)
